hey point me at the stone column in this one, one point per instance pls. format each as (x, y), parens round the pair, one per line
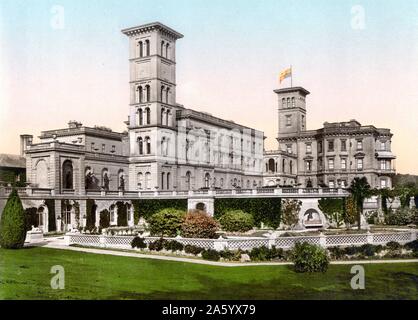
(83, 212)
(58, 215)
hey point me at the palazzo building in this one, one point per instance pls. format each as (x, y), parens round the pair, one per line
(328, 157)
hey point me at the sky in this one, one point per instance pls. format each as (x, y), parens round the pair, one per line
(68, 60)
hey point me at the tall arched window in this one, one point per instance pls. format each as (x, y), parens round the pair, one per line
(148, 144)
(188, 180)
(147, 47)
(67, 175)
(140, 145)
(168, 180)
(140, 181)
(166, 95)
(164, 146)
(283, 165)
(293, 102)
(162, 48)
(291, 166)
(162, 115)
(284, 102)
(162, 180)
(141, 49)
(148, 92)
(148, 113)
(166, 50)
(167, 114)
(207, 180)
(288, 102)
(140, 117)
(139, 94)
(162, 93)
(148, 180)
(221, 184)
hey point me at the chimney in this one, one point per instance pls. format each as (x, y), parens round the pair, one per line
(25, 141)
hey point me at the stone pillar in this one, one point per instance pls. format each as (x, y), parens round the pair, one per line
(83, 212)
(58, 215)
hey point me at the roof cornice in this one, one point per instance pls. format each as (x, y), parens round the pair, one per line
(151, 27)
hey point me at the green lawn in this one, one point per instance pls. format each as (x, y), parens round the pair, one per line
(24, 274)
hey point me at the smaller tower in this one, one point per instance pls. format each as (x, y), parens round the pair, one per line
(292, 110)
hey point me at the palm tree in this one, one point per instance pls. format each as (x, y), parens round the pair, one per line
(360, 190)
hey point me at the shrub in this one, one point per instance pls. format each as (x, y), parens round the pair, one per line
(13, 223)
(237, 221)
(393, 245)
(266, 254)
(211, 255)
(413, 245)
(193, 249)
(173, 246)
(336, 253)
(370, 250)
(263, 210)
(401, 217)
(157, 245)
(309, 258)
(139, 243)
(198, 224)
(166, 222)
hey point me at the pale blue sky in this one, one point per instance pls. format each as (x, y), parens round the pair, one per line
(227, 64)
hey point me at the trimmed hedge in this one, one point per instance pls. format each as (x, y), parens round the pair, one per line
(52, 226)
(12, 223)
(122, 214)
(263, 210)
(145, 208)
(90, 214)
(104, 221)
(139, 243)
(309, 258)
(237, 221)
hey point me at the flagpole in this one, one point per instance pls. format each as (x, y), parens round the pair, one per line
(291, 76)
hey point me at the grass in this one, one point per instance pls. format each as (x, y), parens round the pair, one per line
(25, 274)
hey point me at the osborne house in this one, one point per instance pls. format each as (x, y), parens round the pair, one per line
(169, 151)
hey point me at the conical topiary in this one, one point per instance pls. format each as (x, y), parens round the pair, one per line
(12, 223)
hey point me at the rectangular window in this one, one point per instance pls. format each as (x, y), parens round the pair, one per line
(331, 164)
(359, 164)
(359, 144)
(343, 145)
(103, 147)
(330, 145)
(309, 166)
(92, 146)
(343, 183)
(308, 148)
(383, 146)
(288, 121)
(383, 183)
(344, 164)
(320, 146)
(331, 184)
(382, 165)
(289, 148)
(303, 122)
(113, 148)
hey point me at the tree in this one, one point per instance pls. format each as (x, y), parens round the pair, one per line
(166, 222)
(12, 223)
(333, 209)
(198, 224)
(290, 212)
(360, 190)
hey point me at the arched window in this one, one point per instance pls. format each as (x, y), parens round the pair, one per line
(188, 180)
(162, 48)
(162, 115)
(148, 113)
(148, 180)
(288, 102)
(162, 93)
(207, 180)
(140, 117)
(271, 165)
(141, 49)
(291, 166)
(67, 175)
(284, 103)
(112, 210)
(283, 165)
(140, 181)
(293, 102)
(168, 180)
(167, 114)
(148, 91)
(221, 182)
(166, 95)
(164, 146)
(148, 144)
(166, 50)
(147, 47)
(139, 94)
(140, 145)
(162, 180)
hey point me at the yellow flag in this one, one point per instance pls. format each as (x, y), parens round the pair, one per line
(285, 74)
